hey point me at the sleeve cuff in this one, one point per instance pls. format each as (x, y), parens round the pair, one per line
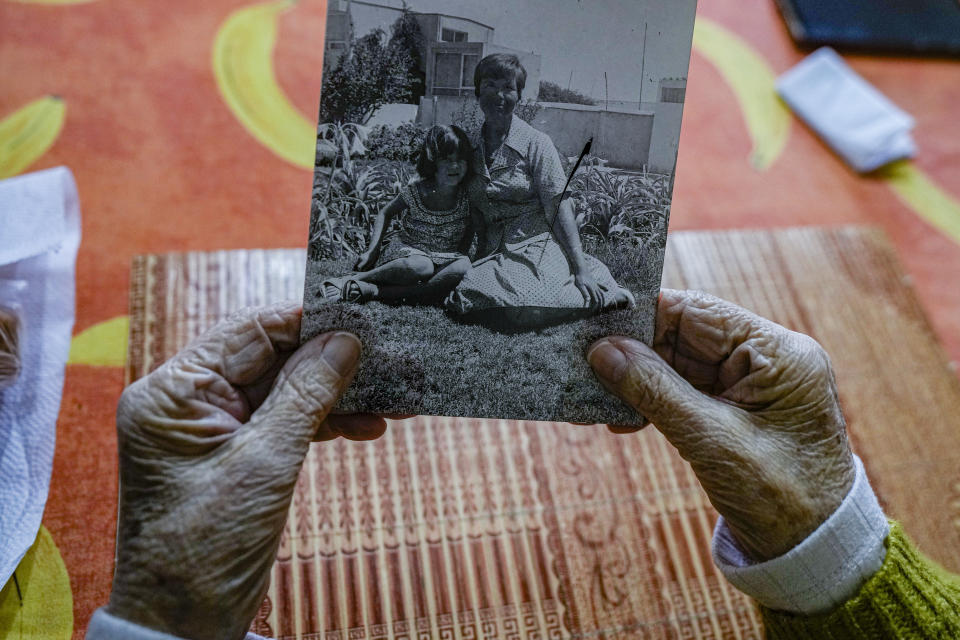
(823, 571)
(104, 626)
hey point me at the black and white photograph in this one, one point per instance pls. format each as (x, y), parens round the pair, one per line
(492, 194)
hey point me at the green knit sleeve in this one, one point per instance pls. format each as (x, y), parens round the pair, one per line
(909, 597)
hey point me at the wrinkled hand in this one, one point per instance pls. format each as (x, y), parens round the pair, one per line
(365, 261)
(211, 444)
(589, 287)
(749, 404)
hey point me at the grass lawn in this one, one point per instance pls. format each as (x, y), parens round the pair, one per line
(417, 360)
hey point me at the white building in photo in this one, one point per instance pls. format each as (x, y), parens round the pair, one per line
(629, 56)
(454, 44)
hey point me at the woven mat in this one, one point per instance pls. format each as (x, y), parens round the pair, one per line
(453, 528)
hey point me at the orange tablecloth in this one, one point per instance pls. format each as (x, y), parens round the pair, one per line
(163, 165)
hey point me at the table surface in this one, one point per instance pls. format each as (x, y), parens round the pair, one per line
(505, 525)
(163, 165)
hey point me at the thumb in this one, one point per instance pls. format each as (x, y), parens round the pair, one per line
(306, 389)
(635, 373)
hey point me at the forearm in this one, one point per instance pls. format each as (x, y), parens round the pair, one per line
(479, 229)
(382, 223)
(376, 236)
(568, 236)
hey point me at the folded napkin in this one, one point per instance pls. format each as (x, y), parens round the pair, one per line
(853, 118)
(40, 223)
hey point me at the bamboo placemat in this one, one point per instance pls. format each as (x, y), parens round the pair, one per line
(453, 528)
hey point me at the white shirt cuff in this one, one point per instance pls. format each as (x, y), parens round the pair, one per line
(826, 569)
(104, 626)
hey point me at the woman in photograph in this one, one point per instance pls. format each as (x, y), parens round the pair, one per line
(532, 269)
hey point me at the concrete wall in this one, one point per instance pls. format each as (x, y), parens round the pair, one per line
(666, 136)
(621, 138)
(393, 114)
(439, 109)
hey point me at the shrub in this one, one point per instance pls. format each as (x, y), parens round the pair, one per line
(551, 92)
(527, 111)
(400, 143)
(468, 115)
(346, 202)
(407, 38)
(371, 75)
(338, 140)
(616, 206)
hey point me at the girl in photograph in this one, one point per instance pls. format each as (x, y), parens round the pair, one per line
(427, 258)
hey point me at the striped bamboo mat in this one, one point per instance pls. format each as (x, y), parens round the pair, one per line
(472, 529)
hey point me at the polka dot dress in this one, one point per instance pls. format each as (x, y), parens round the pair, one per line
(527, 267)
(433, 234)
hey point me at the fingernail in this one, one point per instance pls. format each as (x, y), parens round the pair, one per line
(342, 351)
(608, 361)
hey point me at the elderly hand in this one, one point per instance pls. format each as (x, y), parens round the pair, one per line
(211, 444)
(749, 404)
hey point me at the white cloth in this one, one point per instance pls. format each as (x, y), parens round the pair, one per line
(853, 118)
(826, 569)
(104, 626)
(39, 236)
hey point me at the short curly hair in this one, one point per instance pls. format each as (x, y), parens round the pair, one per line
(440, 142)
(497, 66)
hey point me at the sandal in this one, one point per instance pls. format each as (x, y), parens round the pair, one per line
(351, 292)
(331, 290)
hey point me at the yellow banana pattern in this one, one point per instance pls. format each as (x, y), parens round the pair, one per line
(752, 81)
(39, 604)
(102, 345)
(28, 132)
(922, 194)
(243, 67)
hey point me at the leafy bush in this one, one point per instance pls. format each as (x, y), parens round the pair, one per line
(400, 143)
(551, 92)
(347, 198)
(468, 115)
(527, 111)
(371, 75)
(407, 37)
(618, 206)
(336, 140)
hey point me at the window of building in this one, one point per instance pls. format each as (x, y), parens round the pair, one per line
(336, 46)
(453, 73)
(452, 35)
(672, 94)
